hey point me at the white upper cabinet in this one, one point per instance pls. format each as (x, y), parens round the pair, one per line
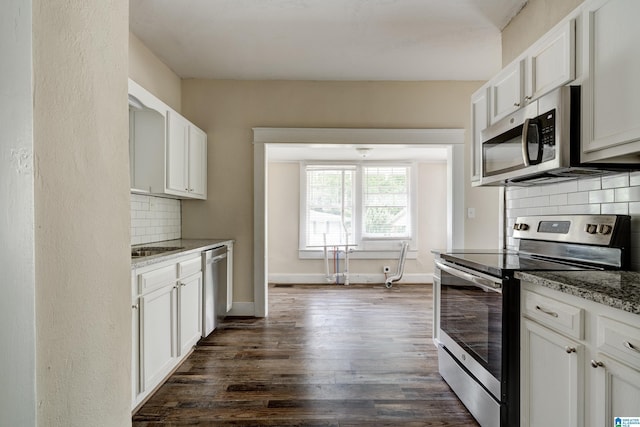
(507, 89)
(551, 61)
(546, 65)
(479, 122)
(168, 154)
(186, 158)
(611, 86)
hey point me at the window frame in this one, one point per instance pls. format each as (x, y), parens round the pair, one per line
(367, 246)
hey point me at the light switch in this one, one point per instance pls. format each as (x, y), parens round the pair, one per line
(471, 213)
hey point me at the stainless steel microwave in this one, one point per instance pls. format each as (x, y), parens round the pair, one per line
(539, 143)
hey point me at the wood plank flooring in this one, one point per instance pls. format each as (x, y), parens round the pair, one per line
(327, 355)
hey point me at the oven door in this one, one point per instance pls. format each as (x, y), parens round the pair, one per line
(471, 322)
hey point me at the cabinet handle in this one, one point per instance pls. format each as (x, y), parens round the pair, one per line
(550, 313)
(135, 306)
(597, 364)
(570, 349)
(631, 346)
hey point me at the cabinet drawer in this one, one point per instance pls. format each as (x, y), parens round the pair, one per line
(619, 340)
(189, 267)
(156, 278)
(560, 316)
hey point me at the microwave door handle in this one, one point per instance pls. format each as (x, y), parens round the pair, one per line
(481, 282)
(525, 139)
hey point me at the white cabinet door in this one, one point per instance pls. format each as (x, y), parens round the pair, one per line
(617, 388)
(197, 163)
(479, 122)
(190, 312)
(507, 89)
(552, 378)
(611, 89)
(177, 154)
(157, 335)
(551, 61)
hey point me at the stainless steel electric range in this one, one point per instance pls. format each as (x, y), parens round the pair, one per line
(478, 303)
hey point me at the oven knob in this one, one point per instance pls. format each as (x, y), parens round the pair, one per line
(524, 227)
(516, 226)
(591, 228)
(604, 229)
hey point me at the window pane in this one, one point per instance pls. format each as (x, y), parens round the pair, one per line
(329, 208)
(386, 202)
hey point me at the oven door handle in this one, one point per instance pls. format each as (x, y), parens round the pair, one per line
(481, 282)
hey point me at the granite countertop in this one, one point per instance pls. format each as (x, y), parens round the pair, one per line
(188, 246)
(617, 289)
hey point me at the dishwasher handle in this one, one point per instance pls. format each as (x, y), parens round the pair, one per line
(215, 255)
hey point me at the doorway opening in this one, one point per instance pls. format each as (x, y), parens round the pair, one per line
(348, 145)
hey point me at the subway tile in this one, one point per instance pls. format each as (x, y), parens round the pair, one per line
(634, 178)
(601, 196)
(579, 209)
(579, 198)
(634, 208)
(589, 184)
(627, 194)
(558, 199)
(614, 208)
(615, 181)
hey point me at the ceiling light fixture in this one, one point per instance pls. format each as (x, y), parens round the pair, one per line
(363, 151)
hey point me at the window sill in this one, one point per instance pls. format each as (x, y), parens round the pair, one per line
(359, 254)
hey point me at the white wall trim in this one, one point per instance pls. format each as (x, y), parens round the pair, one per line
(452, 139)
(357, 136)
(304, 278)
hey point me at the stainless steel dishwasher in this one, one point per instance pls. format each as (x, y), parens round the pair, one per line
(214, 263)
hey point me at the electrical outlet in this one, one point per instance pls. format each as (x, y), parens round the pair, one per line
(386, 269)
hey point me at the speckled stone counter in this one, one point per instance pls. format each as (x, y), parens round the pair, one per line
(618, 289)
(187, 246)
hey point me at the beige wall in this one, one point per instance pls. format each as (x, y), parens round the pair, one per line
(146, 69)
(227, 111)
(82, 271)
(535, 19)
(283, 216)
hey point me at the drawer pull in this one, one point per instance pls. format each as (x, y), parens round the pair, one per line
(631, 346)
(550, 313)
(596, 364)
(570, 349)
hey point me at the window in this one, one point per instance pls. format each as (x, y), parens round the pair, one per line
(329, 208)
(363, 204)
(385, 202)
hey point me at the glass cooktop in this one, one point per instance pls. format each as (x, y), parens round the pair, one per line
(504, 263)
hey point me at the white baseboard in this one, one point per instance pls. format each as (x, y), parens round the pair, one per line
(353, 278)
(240, 308)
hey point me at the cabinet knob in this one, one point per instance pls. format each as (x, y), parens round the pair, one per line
(527, 98)
(135, 306)
(570, 349)
(596, 364)
(516, 104)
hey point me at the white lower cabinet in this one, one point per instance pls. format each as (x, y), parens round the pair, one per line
(190, 312)
(166, 320)
(550, 362)
(580, 360)
(157, 335)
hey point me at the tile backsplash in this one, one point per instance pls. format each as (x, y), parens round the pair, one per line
(612, 194)
(154, 219)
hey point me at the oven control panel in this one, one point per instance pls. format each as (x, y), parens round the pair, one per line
(582, 229)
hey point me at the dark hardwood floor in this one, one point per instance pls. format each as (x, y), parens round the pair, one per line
(327, 355)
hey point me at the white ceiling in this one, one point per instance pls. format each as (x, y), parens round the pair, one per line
(326, 39)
